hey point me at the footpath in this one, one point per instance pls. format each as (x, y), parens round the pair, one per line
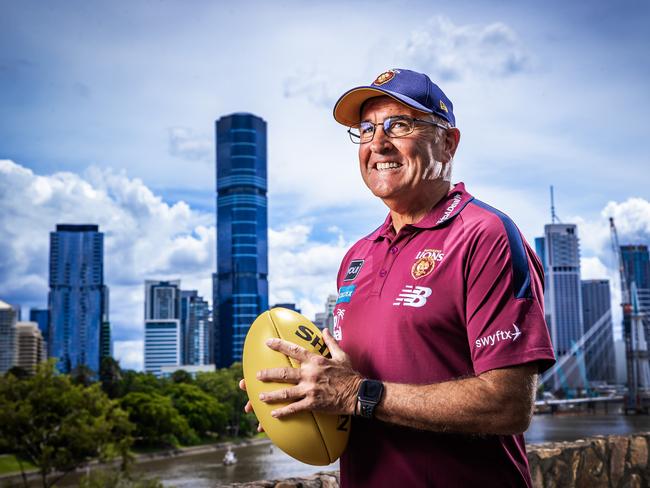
(13, 478)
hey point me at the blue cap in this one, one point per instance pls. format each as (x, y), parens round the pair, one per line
(413, 89)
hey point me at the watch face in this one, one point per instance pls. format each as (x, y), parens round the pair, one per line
(371, 390)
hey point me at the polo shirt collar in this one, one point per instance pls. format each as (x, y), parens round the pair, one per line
(445, 210)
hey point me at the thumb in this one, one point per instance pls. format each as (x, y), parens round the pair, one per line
(333, 345)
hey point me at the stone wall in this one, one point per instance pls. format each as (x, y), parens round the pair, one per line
(600, 461)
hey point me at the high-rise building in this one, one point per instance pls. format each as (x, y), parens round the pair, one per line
(636, 262)
(240, 286)
(563, 296)
(326, 318)
(78, 296)
(42, 317)
(287, 305)
(30, 346)
(196, 328)
(600, 356)
(162, 325)
(7, 337)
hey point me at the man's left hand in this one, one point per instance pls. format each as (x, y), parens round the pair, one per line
(321, 384)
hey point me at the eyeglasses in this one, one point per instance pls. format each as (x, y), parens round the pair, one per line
(398, 126)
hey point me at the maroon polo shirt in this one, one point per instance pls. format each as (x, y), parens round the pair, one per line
(455, 295)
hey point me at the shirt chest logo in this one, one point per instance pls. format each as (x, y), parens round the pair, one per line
(345, 294)
(425, 261)
(353, 269)
(413, 296)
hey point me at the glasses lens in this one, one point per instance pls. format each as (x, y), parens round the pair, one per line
(355, 135)
(366, 131)
(398, 126)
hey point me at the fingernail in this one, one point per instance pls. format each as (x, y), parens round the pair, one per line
(270, 342)
(262, 396)
(258, 375)
(274, 413)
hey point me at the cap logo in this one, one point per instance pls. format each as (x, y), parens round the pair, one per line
(443, 106)
(385, 77)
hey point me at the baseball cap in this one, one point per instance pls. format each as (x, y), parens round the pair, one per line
(411, 88)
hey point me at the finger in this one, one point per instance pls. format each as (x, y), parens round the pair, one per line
(289, 349)
(291, 409)
(333, 345)
(248, 408)
(282, 395)
(242, 384)
(260, 428)
(283, 375)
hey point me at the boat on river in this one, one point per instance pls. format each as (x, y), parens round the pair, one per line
(229, 458)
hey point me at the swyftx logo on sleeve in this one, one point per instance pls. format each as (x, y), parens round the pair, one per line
(498, 336)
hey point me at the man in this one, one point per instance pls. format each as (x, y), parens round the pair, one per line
(441, 332)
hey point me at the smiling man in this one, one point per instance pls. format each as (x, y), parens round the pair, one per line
(441, 333)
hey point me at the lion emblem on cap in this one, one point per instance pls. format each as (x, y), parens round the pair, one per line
(385, 77)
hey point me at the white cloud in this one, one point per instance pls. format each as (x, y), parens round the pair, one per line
(452, 52)
(312, 84)
(183, 143)
(301, 270)
(129, 354)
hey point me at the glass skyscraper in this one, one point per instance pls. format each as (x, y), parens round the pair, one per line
(596, 302)
(78, 298)
(196, 327)
(636, 262)
(240, 286)
(563, 296)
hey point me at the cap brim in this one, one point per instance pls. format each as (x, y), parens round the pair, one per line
(347, 110)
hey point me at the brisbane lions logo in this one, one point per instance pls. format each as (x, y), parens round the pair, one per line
(425, 261)
(385, 77)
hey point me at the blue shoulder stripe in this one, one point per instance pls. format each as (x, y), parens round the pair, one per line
(520, 270)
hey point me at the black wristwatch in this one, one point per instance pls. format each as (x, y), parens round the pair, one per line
(370, 393)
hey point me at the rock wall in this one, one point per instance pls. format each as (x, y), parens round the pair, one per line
(600, 461)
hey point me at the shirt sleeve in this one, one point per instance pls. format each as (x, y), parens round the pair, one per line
(505, 302)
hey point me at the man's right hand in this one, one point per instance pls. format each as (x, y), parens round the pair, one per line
(248, 408)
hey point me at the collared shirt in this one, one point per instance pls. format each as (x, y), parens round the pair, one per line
(457, 294)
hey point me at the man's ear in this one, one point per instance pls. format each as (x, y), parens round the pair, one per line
(452, 138)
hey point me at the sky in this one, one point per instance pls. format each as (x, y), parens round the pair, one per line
(108, 111)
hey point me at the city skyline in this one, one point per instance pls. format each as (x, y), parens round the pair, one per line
(531, 87)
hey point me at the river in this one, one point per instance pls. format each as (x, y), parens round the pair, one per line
(261, 461)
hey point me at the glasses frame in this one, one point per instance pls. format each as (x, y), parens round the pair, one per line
(356, 139)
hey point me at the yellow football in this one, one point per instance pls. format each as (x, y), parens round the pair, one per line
(311, 437)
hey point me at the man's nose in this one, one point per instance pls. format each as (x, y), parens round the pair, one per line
(380, 142)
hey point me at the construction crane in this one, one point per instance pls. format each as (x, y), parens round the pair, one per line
(636, 352)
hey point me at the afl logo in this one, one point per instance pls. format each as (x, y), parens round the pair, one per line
(425, 261)
(385, 77)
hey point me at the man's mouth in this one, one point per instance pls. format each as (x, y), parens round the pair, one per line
(387, 165)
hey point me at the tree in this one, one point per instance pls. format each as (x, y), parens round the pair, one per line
(110, 376)
(18, 372)
(182, 376)
(133, 381)
(224, 386)
(157, 421)
(202, 411)
(59, 426)
(82, 375)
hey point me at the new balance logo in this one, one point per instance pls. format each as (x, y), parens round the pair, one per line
(413, 296)
(498, 336)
